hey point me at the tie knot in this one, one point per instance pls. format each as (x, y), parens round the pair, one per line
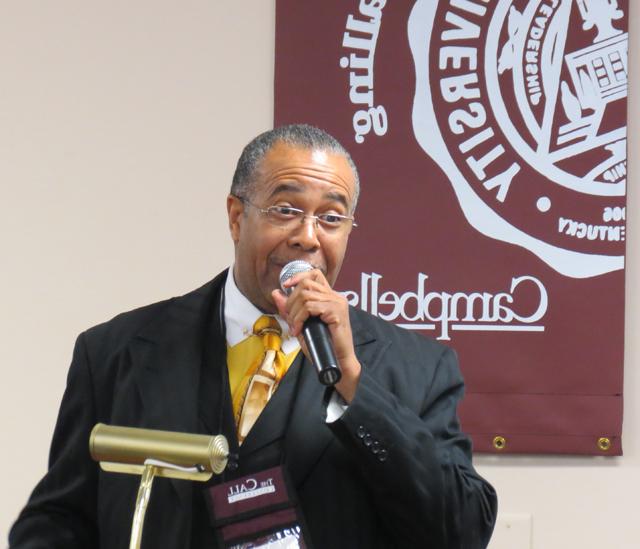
(269, 330)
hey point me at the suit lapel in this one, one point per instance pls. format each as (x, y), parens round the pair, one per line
(272, 422)
(167, 357)
(309, 435)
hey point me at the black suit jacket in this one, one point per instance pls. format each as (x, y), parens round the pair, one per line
(393, 471)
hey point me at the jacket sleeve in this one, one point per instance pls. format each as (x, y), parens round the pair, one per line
(403, 428)
(61, 512)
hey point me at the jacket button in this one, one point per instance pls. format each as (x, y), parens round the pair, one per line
(382, 455)
(375, 447)
(361, 431)
(368, 441)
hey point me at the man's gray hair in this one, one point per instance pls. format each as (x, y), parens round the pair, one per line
(302, 136)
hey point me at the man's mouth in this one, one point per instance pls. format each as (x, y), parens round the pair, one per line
(279, 263)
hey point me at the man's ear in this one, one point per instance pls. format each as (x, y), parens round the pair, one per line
(235, 212)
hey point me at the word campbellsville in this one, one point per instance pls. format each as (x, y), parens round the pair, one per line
(451, 311)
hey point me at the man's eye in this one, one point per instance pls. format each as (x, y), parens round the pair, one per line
(284, 211)
(331, 219)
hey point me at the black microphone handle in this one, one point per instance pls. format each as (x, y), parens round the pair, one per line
(318, 339)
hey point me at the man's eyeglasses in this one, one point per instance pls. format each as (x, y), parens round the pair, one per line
(287, 217)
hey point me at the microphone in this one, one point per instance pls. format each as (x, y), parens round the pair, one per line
(315, 332)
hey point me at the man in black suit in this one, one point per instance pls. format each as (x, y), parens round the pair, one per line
(377, 461)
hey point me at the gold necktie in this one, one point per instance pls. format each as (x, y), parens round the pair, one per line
(265, 375)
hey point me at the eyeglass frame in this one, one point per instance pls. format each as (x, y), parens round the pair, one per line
(299, 214)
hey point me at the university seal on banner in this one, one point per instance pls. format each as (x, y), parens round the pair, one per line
(523, 106)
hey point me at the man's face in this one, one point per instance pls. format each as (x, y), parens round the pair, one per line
(314, 181)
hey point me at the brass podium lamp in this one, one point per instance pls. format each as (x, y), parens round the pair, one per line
(151, 454)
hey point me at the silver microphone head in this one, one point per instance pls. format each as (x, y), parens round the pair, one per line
(291, 269)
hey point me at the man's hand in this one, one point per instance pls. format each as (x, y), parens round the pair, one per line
(313, 296)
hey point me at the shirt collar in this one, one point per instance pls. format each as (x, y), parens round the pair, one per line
(240, 315)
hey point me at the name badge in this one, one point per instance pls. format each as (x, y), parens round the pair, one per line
(257, 511)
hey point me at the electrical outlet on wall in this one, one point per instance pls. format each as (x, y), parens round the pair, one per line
(512, 531)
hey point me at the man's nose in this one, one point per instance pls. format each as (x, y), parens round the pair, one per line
(305, 234)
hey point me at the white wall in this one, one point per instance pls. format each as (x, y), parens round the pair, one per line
(120, 124)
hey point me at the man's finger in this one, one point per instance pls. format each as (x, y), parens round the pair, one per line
(280, 301)
(315, 275)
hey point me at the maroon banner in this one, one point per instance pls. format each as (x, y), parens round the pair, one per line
(490, 136)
